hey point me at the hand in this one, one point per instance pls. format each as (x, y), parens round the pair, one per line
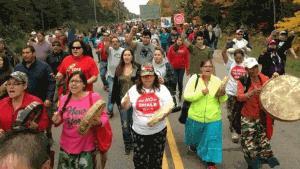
(125, 102)
(275, 74)
(187, 72)
(106, 44)
(221, 93)
(47, 103)
(134, 29)
(161, 80)
(205, 91)
(33, 125)
(1, 132)
(56, 118)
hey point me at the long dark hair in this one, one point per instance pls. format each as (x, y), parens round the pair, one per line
(139, 85)
(120, 67)
(176, 46)
(81, 44)
(6, 70)
(84, 81)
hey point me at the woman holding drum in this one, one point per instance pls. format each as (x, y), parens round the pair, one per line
(256, 125)
(147, 98)
(77, 149)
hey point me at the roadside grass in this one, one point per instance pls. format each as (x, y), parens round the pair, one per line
(258, 46)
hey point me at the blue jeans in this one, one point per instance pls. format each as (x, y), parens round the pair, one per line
(103, 70)
(179, 73)
(110, 106)
(126, 122)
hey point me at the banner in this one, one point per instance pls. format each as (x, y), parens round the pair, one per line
(179, 18)
(149, 12)
(166, 22)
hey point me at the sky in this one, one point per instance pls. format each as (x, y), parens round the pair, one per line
(133, 5)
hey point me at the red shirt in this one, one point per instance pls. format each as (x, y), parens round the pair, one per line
(103, 53)
(8, 115)
(252, 105)
(179, 59)
(85, 64)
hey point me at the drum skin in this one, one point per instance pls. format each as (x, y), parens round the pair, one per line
(93, 112)
(280, 97)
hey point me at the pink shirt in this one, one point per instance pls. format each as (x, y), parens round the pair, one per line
(71, 141)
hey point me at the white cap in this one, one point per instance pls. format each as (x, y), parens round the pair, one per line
(250, 62)
(33, 33)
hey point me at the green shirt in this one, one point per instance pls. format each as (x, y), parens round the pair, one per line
(204, 108)
(197, 56)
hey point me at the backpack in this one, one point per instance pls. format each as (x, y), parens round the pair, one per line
(185, 106)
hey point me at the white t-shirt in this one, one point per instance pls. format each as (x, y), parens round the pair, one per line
(235, 72)
(113, 60)
(144, 107)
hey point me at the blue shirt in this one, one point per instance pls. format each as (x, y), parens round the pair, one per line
(40, 79)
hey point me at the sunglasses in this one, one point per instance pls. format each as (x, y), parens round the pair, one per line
(76, 47)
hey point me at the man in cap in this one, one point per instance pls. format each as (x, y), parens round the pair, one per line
(256, 125)
(272, 63)
(17, 100)
(238, 43)
(285, 44)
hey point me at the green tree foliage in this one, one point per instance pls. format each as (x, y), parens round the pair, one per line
(19, 16)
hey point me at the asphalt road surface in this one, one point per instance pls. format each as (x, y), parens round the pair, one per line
(285, 142)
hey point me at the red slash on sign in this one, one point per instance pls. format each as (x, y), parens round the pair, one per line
(179, 18)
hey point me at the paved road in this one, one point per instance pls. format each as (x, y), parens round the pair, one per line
(285, 143)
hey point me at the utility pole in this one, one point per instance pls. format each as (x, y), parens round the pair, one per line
(95, 12)
(274, 11)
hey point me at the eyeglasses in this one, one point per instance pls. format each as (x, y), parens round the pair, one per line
(76, 47)
(207, 66)
(76, 81)
(79, 37)
(14, 84)
(147, 76)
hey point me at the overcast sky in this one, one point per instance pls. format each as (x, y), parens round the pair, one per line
(133, 5)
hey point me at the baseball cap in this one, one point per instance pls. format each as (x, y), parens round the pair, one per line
(19, 76)
(283, 33)
(33, 33)
(147, 69)
(239, 31)
(250, 62)
(272, 42)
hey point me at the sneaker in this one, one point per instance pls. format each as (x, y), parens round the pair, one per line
(105, 88)
(192, 148)
(128, 148)
(273, 161)
(211, 167)
(235, 137)
(127, 151)
(176, 109)
(110, 114)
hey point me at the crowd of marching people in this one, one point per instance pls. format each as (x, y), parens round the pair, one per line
(142, 68)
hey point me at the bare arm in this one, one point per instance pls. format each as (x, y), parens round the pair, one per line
(92, 80)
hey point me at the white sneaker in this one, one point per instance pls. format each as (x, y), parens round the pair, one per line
(235, 137)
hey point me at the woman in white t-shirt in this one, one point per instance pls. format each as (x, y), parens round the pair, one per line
(146, 98)
(236, 70)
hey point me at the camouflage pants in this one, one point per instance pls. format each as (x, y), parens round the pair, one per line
(83, 160)
(254, 142)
